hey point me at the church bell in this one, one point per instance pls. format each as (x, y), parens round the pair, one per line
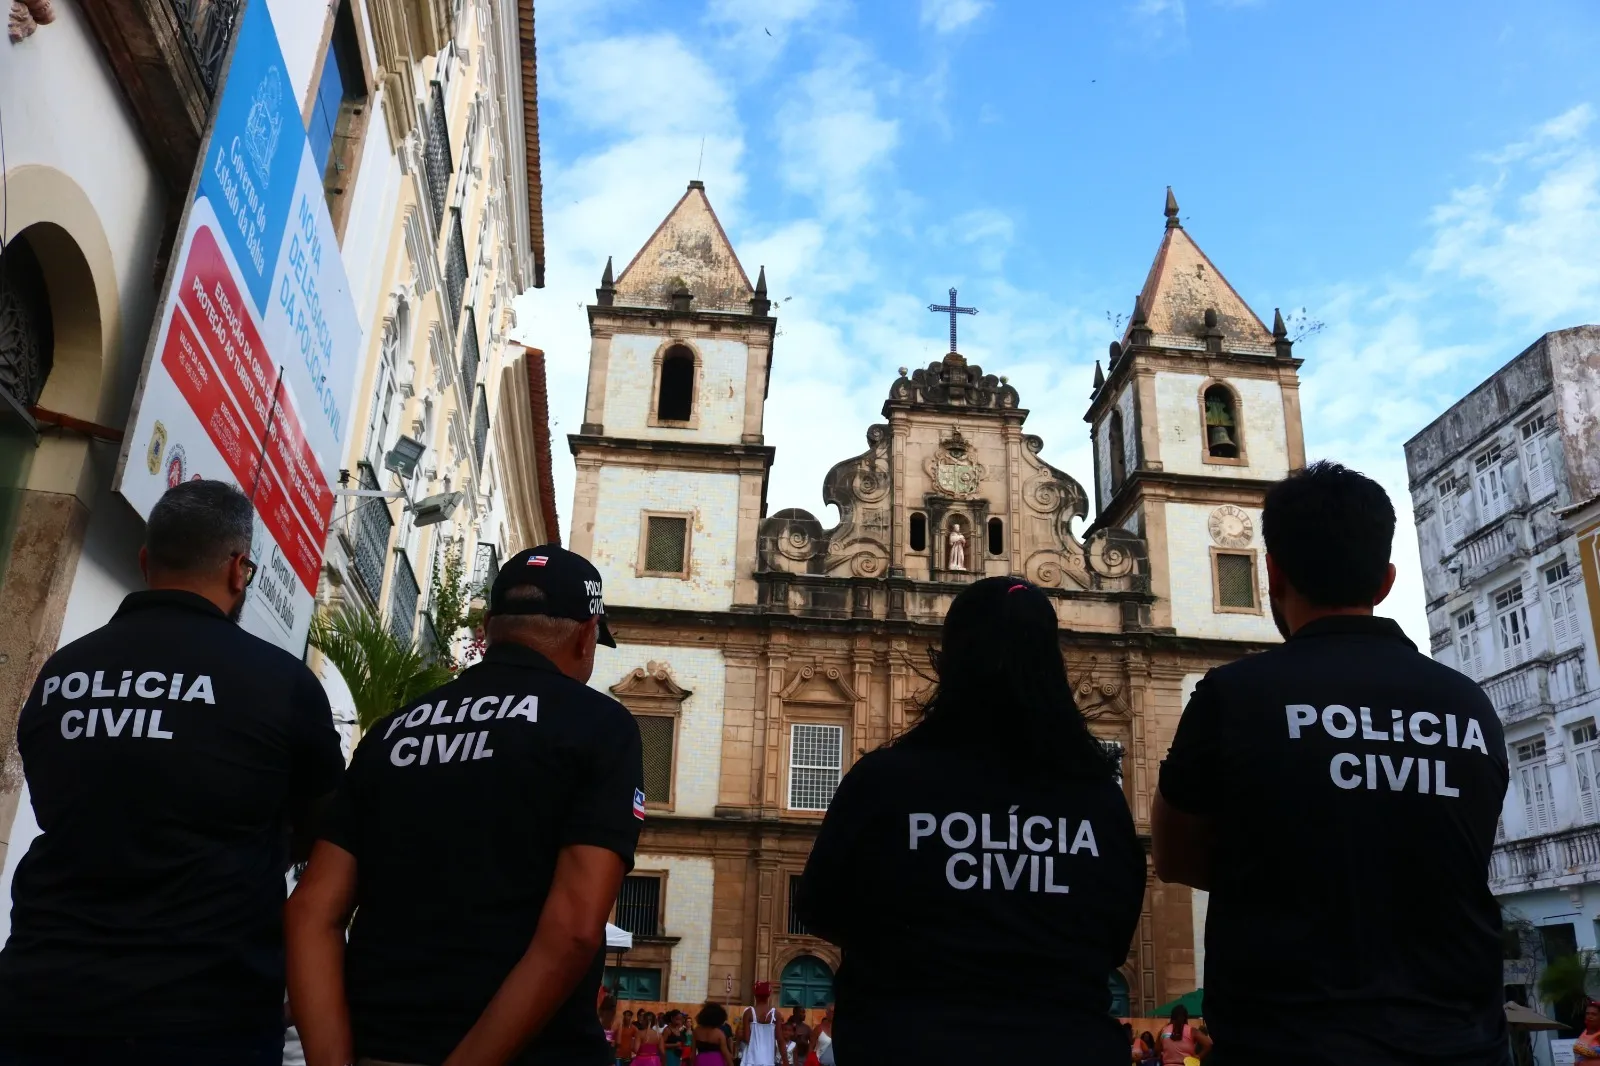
(1220, 443)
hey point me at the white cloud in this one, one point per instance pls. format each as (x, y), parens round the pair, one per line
(833, 137)
(1160, 19)
(639, 85)
(947, 16)
(1526, 239)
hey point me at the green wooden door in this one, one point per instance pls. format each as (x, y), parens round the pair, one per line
(634, 982)
(806, 982)
(1120, 1005)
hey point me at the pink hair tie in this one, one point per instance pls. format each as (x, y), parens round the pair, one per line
(1014, 588)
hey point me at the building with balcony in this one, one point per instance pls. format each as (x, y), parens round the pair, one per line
(448, 408)
(420, 121)
(1493, 482)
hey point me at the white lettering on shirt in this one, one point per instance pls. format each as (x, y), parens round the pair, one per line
(1002, 865)
(1399, 773)
(106, 722)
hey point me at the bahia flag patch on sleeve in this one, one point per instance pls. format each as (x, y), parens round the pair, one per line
(638, 804)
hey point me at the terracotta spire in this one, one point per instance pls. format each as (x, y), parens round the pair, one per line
(1172, 211)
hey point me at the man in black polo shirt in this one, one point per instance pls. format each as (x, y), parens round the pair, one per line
(480, 839)
(1338, 797)
(167, 754)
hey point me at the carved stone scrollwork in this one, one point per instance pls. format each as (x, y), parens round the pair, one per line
(951, 381)
(1116, 554)
(1057, 569)
(793, 540)
(1097, 696)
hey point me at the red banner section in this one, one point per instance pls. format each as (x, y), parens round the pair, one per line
(185, 359)
(212, 298)
(221, 368)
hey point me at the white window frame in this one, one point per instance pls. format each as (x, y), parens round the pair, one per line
(1538, 468)
(812, 762)
(1469, 649)
(1450, 510)
(1533, 778)
(1513, 641)
(1489, 476)
(1585, 742)
(1561, 592)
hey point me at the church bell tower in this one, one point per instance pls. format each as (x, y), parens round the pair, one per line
(1193, 420)
(671, 465)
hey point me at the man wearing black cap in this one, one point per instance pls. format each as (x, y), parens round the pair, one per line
(480, 839)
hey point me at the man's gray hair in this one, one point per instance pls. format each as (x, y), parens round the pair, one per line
(198, 525)
(539, 631)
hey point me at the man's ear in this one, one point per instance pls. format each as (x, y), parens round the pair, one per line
(236, 581)
(144, 564)
(1277, 584)
(1386, 587)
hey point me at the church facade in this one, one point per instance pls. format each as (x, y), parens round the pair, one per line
(763, 653)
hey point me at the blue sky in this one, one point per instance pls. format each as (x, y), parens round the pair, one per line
(1423, 178)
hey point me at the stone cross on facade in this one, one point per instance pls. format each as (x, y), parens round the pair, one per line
(952, 310)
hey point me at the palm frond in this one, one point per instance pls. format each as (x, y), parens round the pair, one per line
(382, 673)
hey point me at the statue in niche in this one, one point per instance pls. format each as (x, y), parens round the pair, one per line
(958, 547)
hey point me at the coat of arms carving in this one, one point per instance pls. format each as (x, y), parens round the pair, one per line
(954, 470)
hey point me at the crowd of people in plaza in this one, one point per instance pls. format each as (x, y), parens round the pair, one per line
(763, 1036)
(981, 874)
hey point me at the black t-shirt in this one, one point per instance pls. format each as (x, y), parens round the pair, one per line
(1354, 786)
(166, 754)
(455, 810)
(975, 899)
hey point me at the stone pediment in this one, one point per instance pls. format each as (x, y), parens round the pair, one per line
(819, 684)
(952, 382)
(650, 683)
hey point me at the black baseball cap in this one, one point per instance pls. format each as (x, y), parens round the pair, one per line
(570, 583)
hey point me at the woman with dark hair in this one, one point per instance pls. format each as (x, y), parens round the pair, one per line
(1180, 1041)
(985, 863)
(710, 1042)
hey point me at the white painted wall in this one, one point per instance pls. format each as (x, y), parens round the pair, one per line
(301, 26)
(373, 220)
(630, 382)
(689, 891)
(713, 499)
(702, 671)
(63, 110)
(1182, 433)
(1189, 564)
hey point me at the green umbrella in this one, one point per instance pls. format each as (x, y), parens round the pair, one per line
(1193, 1002)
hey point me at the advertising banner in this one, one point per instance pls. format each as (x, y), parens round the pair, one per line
(256, 345)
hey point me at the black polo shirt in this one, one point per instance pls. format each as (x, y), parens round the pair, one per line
(975, 897)
(1354, 785)
(455, 810)
(166, 754)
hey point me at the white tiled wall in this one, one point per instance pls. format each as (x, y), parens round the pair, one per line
(702, 671)
(630, 383)
(1189, 564)
(689, 891)
(1261, 406)
(625, 493)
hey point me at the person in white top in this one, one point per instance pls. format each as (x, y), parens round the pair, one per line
(758, 1031)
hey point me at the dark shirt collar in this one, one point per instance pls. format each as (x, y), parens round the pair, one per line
(1358, 625)
(509, 654)
(191, 601)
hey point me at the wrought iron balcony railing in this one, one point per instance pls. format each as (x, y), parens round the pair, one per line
(373, 525)
(207, 27)
(436, 157)
(485, 565)
(403, 598)
(469, 355)
(455, 271)
(480, 426)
